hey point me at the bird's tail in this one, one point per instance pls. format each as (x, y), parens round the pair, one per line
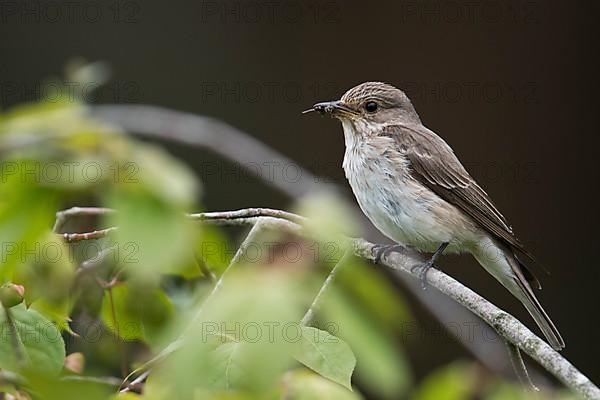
(506, 268)
(540, 316)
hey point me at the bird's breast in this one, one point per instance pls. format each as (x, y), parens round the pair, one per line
(396, 203)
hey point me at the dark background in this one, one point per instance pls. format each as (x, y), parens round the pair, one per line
(512, 86)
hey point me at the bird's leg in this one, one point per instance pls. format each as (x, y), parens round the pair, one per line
(427, 265)
(381, 250)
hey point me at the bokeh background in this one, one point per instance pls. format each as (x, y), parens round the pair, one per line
(511, 85)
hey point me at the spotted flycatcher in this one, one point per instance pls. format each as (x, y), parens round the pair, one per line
(413, 188)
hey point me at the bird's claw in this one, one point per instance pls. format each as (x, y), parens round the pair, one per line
(381, 250)
(422, 270)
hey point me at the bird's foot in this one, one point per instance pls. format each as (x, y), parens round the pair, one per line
(427, 265)
(422, 270)
(381, 250)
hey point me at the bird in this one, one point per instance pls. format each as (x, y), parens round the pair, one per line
(413, 188)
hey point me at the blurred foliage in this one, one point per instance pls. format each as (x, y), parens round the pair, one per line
(144, 299)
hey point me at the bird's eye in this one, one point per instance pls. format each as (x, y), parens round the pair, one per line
(371, 106)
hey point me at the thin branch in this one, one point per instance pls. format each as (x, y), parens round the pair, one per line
(505, 324)
(248, 241)
(136, 384)
(94, 235)
(205, 269)
(63, 216)
(217, 217)
(519, 366)
(11, 378)
(248, 213)
(309, 317)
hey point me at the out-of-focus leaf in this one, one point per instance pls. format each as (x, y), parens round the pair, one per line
(213, 248)
(47, 272)
(305, 385)
(327, 355)
(243, 339)
(128, 396)
(331, 212)
(39, 342)
(24, 219)
(227, 372)
(58, 313)
(49, 388)
(376, 294)
(381, 364)
(153, 235)
(329, 218)
(501, 390)
(453, 382)
(141, 313)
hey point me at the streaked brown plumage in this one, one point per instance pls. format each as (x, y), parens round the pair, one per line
(411, 185)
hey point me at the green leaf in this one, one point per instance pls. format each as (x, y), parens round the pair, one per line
(227, 365)
(243, 338)
(305, 385)
(331, 357)
(47, 273)
(141, 313)
(381, 364)
(453, 382)
(49, 388)
(55, 312)
(39, 342)
(153, 236)
(26, 213)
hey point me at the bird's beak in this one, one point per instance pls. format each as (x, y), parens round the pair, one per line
(333, 108)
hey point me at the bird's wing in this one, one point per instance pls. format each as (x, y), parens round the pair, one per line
(436, 166)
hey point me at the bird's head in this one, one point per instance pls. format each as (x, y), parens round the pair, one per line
(370, 104)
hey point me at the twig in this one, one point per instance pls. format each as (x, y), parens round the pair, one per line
(248, 241)
(136, 383)
(505, 324)
(248, 213)
(308, 318)
(519, 366)
(8, 377)
(204, 268)
(217, 217)
(78, 237)
(63, 216)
